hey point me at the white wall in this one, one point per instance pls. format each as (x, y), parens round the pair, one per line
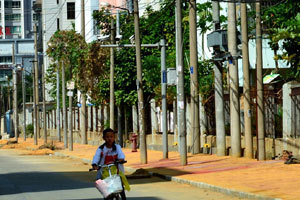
(65, 23)
(90, 6)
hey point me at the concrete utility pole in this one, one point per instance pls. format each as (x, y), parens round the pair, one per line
(83, 95)
(111, 78)
(180, 86)
(247, 98)
(175, 103)
(1, 107)
(164, 98)
(15, 94)
(194, 78)
(33, 104)
(36, 87)
(139, 81)
(58, 103)
(260, 86)
(24, 102)
(235, 124)
(219, 93)
(120, 128)
(70, 123)
(44, 104)
(63, 80)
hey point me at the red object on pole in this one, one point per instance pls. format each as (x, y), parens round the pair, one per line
(134, 142)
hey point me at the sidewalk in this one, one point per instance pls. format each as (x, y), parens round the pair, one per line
(235, 176)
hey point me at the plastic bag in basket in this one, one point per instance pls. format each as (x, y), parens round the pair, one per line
(110, 185)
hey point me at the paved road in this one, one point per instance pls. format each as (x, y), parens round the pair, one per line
(25, 177)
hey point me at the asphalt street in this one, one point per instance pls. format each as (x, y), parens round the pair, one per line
(27, 177)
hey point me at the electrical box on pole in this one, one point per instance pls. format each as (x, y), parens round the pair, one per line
(171, 76)
(218, 39)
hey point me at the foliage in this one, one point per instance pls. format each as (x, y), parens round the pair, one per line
(84, 63)
(103, 20)
(162, 25)
(206, 79)
(29, 129)
(283, 27)
(94, 69)
(67, 48)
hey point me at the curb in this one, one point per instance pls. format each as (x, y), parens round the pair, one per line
(202, 185)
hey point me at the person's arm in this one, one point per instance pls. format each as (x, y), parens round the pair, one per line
(121, 155)
(96, 159)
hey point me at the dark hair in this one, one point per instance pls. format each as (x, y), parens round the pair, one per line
(108, 130)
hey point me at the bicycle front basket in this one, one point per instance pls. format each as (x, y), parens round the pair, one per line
(110, 185)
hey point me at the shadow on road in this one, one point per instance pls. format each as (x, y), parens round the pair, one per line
(129, 198)
(27, 182)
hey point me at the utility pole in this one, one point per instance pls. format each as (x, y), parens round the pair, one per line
(24, 102)
(111, 78)
(120, 128)
(83, 95)
(1, 105)
(33, 105)
(234, 83)
(44, 104)
(180, 86)
(2, 108)
(246, 88)
(58, 103)
(164, 98)
(139, 82)
(64, 105)
(36, 83)
(70, 123)
(260, 86)
(219, 93)
(194, 78)
(15, 93)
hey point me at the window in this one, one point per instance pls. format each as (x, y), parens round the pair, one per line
(12, 30)
(16, 29)
(5, 72)
(12, 4)
(57, 23)
(34, 17)
(7, 4)
(5, 59)
(16, 4)
(71, 10)
(13, 17)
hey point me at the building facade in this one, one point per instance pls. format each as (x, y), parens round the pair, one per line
(16, 19)
(16, 24)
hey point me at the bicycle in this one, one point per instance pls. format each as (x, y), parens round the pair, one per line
(112, 186)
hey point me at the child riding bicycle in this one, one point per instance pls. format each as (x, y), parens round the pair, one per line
(109, 153)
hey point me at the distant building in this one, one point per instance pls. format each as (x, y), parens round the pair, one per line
(16, 19)
(16, 27)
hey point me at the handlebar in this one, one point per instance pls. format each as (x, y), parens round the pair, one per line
(109, 165)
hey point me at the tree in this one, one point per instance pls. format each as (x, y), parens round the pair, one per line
(282, 22)
(86, 62)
